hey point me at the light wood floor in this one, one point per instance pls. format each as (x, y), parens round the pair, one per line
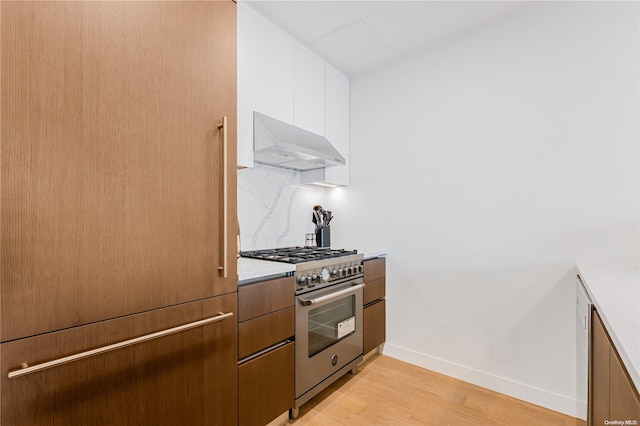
(390, 392)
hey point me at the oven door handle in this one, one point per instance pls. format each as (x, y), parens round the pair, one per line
(337, 294)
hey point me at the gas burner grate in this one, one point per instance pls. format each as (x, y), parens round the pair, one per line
(297, 254)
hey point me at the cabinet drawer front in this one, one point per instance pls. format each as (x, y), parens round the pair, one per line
(374, 326)
(374, 269)
(183, 378)
(260, 333)
(374, 290)
(265, 297)
(266, 386)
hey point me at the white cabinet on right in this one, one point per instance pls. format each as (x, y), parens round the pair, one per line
(308, 91)
(336, 129)
(337, 122)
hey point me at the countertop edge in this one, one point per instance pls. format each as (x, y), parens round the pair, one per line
(374, 254)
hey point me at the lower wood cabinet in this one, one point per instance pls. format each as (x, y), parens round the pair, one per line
(613, 394)
(185, 378)
(266, 386)
(374, 304)
(262, 332)
(266, 353)
(374, 326)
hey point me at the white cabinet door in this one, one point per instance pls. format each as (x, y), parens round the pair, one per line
(265, 76)
(308, 94)
(337, 122)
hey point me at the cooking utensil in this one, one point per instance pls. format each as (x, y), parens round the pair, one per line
(317, 219)
(330, 216)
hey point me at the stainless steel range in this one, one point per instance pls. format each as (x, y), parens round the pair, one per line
(328, 309)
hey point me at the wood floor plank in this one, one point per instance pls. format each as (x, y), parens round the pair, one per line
(387, 391)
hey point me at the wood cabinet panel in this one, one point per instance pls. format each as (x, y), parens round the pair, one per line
(111, 158)
(374, 269)
(600, 356)
(613, 395)
(266, 386)
(260, 333)
(374, 326)
(265, 297)
(374, 290)
(625, 400)
(184, 378)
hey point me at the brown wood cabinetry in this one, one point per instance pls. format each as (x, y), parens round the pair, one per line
(264, 297)
(613, 394)
(266, 351)
(600, 361)
(374, 304)
(374, 326)
(111, 159)
(186, 378)
(266, 386)
(118, 200)
(262, 332)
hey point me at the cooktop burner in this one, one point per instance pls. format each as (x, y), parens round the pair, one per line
(297, 254)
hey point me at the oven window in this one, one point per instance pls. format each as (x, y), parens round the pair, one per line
(330, 323)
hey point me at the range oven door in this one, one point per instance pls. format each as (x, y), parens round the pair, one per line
(328, 332)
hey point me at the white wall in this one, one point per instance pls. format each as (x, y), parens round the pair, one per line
(487, 167)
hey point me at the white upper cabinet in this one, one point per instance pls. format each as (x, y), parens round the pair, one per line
(265, 76)
(337, 122)
(308, 91)
(279, 77)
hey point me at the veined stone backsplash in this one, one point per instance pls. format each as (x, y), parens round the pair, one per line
(272, 211)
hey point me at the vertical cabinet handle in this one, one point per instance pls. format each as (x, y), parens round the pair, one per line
(225, 195)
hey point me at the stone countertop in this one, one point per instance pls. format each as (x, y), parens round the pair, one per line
(372, 254)
(250, 269)
(615, 292)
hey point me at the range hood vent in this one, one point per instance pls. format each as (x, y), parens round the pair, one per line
(276, 143)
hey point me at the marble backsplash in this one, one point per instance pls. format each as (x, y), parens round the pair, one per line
(273, 209)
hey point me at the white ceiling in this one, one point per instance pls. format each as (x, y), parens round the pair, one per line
(356, 36)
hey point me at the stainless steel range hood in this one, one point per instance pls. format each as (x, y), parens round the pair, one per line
(279, 144)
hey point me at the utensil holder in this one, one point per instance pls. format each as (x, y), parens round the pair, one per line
(323, 237)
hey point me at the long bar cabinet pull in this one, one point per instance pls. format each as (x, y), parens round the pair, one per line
(26, 369)
(225, 197)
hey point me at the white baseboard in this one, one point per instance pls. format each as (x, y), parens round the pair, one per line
(531, 394)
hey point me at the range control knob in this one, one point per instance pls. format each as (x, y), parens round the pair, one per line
(325, 274)
(302, 280)
(335, 273)
(350, 270)
(345, 272)
(360, 269)
(315, 278)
